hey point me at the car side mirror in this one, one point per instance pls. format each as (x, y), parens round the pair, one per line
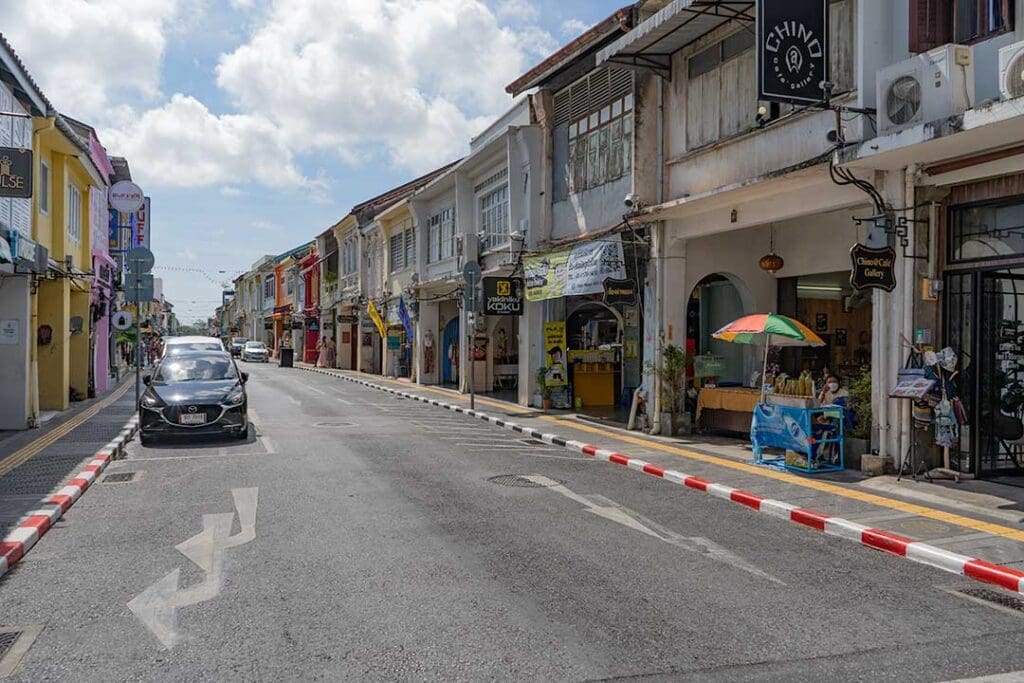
(147, 379)
(245, 377)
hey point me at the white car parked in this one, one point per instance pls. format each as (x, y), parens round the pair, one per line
(255, 351)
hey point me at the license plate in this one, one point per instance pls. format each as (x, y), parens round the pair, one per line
(192, 418)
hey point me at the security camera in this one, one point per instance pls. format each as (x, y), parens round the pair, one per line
(632, 202)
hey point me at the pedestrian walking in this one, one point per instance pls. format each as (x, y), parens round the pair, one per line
(321, 358)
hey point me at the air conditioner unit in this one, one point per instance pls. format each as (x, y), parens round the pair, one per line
(1011, 70)
(927, 87)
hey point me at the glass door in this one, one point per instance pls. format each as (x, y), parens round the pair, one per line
(1000, 379)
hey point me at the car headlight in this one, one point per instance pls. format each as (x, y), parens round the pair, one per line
(236, 397)
(151, 400)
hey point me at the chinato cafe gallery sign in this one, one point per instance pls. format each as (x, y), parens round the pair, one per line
(873, 268)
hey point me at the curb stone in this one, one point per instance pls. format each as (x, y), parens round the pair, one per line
(878, 539)
(51, 508)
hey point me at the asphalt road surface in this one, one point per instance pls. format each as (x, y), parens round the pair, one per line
(358, 536)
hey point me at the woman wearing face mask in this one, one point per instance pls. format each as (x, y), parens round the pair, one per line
(832, 391)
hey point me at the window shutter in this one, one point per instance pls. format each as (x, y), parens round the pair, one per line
(931, 24)
(563, 107)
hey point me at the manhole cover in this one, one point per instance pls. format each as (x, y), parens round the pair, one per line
(519, 481)
(119, 478)
(532, 442)
(995, 597)
(334, 425)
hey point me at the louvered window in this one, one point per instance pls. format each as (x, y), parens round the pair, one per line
(397, 249)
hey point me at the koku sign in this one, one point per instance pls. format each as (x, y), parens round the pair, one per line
(873, 268)
(792, 52)
(503, 296)
(15, 172)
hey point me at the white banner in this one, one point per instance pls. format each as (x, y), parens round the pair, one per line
(591, 263)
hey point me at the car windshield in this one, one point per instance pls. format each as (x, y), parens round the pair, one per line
(187, 347)
(196, 369)
(256, 346)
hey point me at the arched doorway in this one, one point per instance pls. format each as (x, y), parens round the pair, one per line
(715, 301)
(594, 339)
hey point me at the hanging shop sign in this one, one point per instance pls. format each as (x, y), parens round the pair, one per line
(792, 50)
(15, 172)
(554, 349)
(126, 196)
(873, 268)
(620, 292)
(503, 296)
(572, 272)
(348, 319)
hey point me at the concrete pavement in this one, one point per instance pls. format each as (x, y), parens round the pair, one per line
(393, 541)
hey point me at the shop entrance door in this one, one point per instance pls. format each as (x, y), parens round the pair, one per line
(450, 353)
(986, 327)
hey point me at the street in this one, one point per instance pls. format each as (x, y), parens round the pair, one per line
(357, 535)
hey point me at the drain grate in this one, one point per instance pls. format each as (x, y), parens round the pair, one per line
(119, 478)
(532, 442)
(995, 597)
(334, 425)
(7, 639)
(519, 481)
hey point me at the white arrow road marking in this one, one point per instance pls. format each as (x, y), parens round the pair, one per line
(245, 506)
(156, 606)
(609, 509)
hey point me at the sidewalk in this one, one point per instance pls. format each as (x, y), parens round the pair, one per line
(36, 463)
(972, 519)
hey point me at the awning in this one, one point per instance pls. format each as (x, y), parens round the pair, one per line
(652, 44)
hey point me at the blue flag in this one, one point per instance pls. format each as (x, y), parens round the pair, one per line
(403, 315)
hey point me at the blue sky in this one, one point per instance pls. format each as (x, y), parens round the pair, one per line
(256, 124)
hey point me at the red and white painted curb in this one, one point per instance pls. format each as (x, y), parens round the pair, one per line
(879, 539)
(37, 522)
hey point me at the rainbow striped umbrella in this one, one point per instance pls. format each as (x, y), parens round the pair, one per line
(770, 329)
(777, 330)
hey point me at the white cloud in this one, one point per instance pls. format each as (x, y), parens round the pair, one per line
(412, 78)
(231, 191)
(88, 55)
(519, 10)
(183, 144)
(574, 27)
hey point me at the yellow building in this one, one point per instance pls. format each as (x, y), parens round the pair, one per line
(60, 305)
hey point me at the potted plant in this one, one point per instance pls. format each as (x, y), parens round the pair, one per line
(858, 435)
(675, 419)
(542, 386)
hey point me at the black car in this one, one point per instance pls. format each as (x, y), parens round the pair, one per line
(201, 393)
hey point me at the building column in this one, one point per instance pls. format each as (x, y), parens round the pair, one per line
(531, 348)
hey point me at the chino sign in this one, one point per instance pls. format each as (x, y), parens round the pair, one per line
(873, 268)
(792, 52)
(503, 296)
(15, 172)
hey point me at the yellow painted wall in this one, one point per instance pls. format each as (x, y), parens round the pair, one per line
(54, 358)
(65, 361)
(78, 345)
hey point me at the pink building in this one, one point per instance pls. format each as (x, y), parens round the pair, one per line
(103, 266)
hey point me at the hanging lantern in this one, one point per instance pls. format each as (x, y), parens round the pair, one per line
(771, 262)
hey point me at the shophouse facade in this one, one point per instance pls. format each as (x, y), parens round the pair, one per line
(591, 133)
(22, 260)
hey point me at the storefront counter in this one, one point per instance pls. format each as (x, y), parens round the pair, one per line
(727, 409)
(594, 383)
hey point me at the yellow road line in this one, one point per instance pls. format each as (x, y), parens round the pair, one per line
(826, 487)
(862, 496)
(32, 449)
